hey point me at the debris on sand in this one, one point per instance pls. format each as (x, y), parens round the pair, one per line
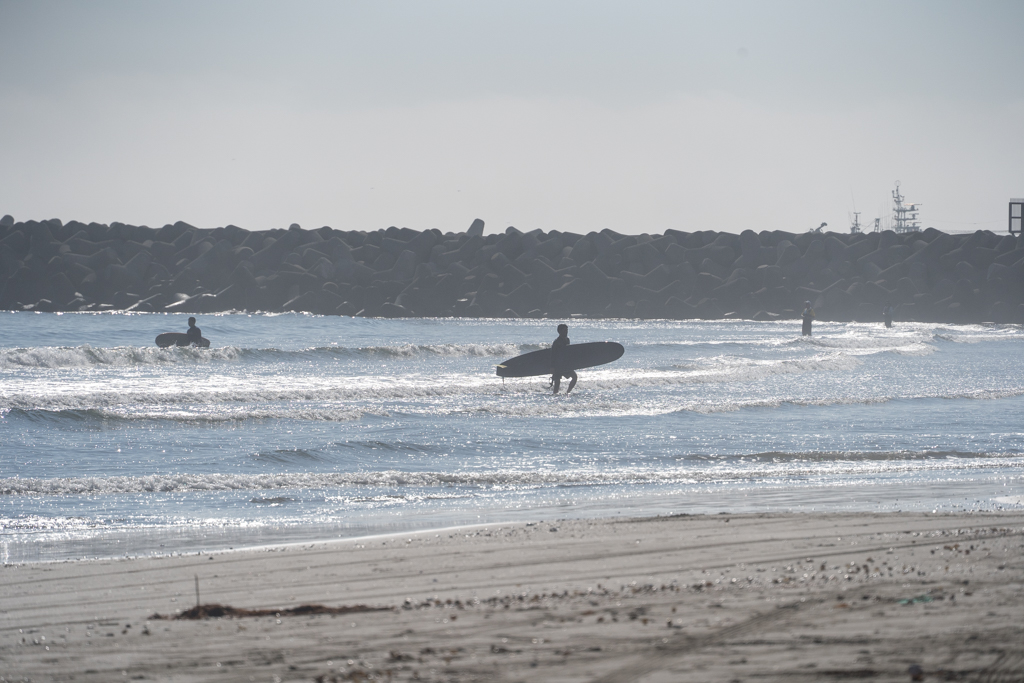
(214, 611)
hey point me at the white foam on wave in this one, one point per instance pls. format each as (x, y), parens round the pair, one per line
(964, 338)
(760, 468)
(53, 357)
(56, 357)
(553, 407)
(61, 528)
(338, 397)
(455, 350)
(856, 344)
(976, 334)
(740, 369)
(732, 405)
(224, 414)
(254, 391)
(745, 342)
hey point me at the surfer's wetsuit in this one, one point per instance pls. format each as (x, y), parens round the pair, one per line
(808, 316)
(556, 378)
(194, 334)
(887, 315)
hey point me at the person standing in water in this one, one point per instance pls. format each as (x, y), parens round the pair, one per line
(558, 371)
(194, 334)
(887, 314)
(808, 316)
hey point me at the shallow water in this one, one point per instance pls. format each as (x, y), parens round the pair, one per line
(296, 427)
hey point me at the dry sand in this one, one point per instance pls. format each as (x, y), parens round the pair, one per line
(802, 597)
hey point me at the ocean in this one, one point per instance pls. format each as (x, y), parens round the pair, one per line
(293, 428)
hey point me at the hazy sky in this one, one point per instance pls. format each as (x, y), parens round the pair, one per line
(635, 116)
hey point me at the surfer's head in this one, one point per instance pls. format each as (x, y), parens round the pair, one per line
(563, 329)
(191, 322)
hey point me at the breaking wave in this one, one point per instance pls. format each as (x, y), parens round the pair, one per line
(322, 392)
(416, 350)
(55, 357)
(196, 415)
(337, 398)
(917, 345)
(84, 356)
(739, 369)
(758, 467)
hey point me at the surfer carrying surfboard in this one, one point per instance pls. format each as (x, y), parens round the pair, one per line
(194, 337)
(561, 360)
(558, 366)
(194, 334)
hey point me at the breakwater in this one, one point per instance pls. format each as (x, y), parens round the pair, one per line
(927, 276)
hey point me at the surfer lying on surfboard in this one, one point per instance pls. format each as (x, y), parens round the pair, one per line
(559, 365)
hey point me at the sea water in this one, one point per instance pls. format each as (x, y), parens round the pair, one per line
(292, 428)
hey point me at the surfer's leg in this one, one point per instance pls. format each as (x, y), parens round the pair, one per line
(556, 380)
(572, 381)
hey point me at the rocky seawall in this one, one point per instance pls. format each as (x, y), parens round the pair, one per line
(927, 276)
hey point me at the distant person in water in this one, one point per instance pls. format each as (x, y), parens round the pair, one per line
(194, 334)
(887, 313)
(559, 372)
(808, 316)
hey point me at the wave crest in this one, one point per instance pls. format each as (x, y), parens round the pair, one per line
(56, 357)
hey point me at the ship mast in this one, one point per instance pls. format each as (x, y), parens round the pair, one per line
(904, 216)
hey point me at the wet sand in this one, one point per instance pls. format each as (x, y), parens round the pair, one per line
(775, 597)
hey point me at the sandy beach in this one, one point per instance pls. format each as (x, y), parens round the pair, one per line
(774, 597)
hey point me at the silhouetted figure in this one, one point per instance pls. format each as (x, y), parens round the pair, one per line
(887, 314)
(808, 316)
(559, 371)
(194, 334)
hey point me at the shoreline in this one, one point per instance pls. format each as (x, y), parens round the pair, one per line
(777, 596)
(885, 497)
(99, 546)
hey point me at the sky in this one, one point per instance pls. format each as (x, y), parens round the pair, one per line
(576, 116)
